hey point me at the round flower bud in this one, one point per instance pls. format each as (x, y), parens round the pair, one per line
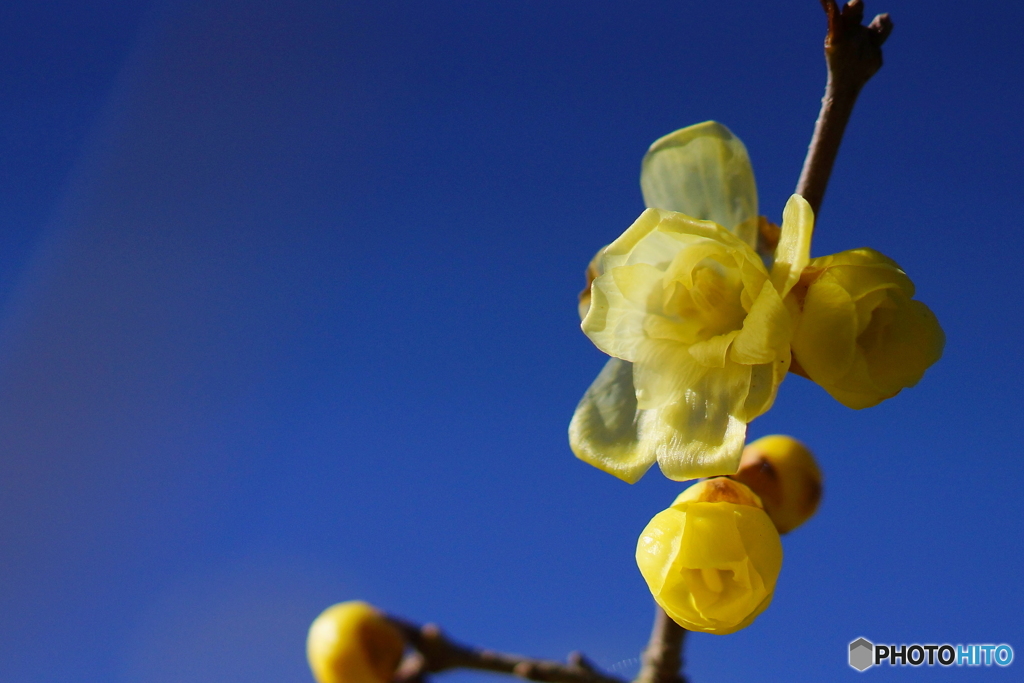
(783, 473)
(859, 333)
(352, 642)
(712, 559)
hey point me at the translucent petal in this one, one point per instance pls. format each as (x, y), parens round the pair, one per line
(614, 322)
(663, 372)
(605, 429)
(699, 431)
(764, 385)
(616, 252)
(766, 330)
(640, 284)
(702, 171)
(712, 352)
(794, 249)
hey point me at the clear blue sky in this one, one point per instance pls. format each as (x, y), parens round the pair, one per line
(288, 317)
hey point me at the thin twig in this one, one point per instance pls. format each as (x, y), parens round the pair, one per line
(663, 657)
(853, 53)
(434, 652)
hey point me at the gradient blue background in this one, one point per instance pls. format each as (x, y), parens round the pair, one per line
(288, 317)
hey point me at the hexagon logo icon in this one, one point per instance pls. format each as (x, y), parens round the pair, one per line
(862, 654)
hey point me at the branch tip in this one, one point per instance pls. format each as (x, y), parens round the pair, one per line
(881, 27)
(853, 53)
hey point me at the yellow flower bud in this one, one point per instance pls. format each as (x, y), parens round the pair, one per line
(783, 473)
(352, 642)
(858, 333)
(712, 559)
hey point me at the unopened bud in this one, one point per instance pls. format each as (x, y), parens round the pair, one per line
(712, 559)
(352, 642)
(783, 473)
(719, 490)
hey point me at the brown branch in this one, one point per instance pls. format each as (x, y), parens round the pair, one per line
(663, 657)
(853, 53)
(434, 652)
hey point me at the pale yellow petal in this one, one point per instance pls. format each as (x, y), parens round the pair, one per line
(712, 352)
(685, 331)
(640, 284)
(616, 252)
(825, 339)
(855, 257)
(862, 280)
(658, 547)
(764, 385)
(606, 428)
(905, 345)
(766, 330)
(613, 322)
(702, 171)
(680, 224)
(663, 371)
(794, 249)
(699, 432)
(858, 400)
(681, 267)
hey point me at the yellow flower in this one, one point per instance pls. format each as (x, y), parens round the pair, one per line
(712, 559)
(858, 332)
(693, 308)
(352, 642)
(784, 475)
(690, 314)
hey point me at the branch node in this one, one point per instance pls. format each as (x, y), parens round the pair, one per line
(577, 660)
(523, 670)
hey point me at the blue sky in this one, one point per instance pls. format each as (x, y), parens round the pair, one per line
(287, 317)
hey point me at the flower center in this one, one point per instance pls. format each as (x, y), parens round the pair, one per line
(711, 305)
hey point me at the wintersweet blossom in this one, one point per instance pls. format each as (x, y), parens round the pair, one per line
(702, 320)
(858, 331)
(694, 429)
(352, 642)
(712, 559)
